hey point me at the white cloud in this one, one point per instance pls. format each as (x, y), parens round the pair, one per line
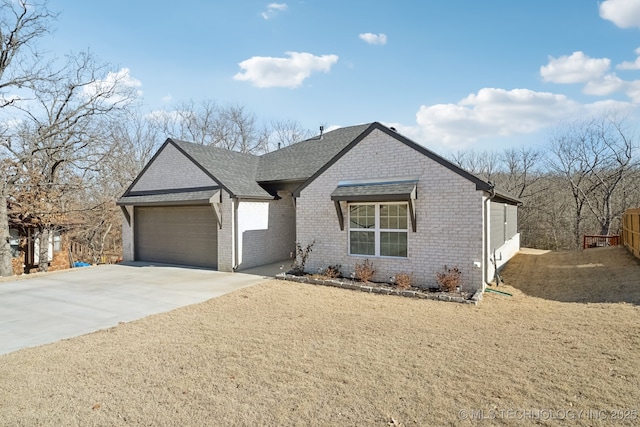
(265, 71)
(608, 106)
(498, 116)
(273, 9)
(632, 89)
(167, 98)
(623, 13)
(371, 38)
(489, 113)
(635, 65)
(606, 85)
(594, 73)
(576, 68)
(116, 86)
(162, 116)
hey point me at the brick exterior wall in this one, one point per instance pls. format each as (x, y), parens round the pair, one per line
(277, 241)
(449, 214)
(60, 259)
(127, 235)
(17, 264)
(226, 246)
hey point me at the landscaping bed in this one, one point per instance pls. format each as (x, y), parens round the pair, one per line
(385, 288)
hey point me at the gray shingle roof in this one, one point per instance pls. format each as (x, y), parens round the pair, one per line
(388, 191)
(240, 174)
(235, 171)
(300, 161)
(182, 198)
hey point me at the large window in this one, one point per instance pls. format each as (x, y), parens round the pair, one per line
(378, 229)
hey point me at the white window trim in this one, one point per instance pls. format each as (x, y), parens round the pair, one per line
(376, 229)
(14, 242)
(56, 240)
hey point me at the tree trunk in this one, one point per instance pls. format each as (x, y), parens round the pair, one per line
(605, 228)
(43, 251)
(6, 268)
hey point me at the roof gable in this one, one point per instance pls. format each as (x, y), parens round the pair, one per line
(185, 165)
(480, 184)
(159, 173)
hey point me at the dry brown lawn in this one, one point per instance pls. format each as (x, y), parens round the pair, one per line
(284, 353)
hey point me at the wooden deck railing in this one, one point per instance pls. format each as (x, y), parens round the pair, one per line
(600, 241)
(631, 231)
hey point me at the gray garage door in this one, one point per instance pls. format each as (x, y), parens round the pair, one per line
(185, 235)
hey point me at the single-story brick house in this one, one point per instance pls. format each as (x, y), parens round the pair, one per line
(360, 192)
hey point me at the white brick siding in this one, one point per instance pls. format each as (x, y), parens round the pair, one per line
(448, 209)
(127, 236)
(226, 248)
(275, 243)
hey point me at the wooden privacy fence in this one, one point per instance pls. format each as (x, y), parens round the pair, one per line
(631, 231)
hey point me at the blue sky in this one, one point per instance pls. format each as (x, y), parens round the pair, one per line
(451, 75)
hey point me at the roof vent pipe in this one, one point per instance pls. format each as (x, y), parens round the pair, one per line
(321, 131)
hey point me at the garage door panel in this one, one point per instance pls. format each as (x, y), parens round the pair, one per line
(185, 235)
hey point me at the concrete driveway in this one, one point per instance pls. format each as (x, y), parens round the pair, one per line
(50, 307)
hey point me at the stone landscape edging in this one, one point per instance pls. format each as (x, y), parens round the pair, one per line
(349, 284)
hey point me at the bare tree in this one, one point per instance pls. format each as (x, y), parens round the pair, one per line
(593, 156)
(21, 25)
(521, 170)
(232, 126)
(132, 140)
(189, 121)
(239, 131)
(283, 133)
(616, 149)
(485, 164)
(60, 138)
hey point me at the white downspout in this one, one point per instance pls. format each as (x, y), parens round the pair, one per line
(236, 203)
(487, 222)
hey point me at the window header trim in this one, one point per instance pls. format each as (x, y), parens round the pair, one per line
(388, 190)
(402, 189)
